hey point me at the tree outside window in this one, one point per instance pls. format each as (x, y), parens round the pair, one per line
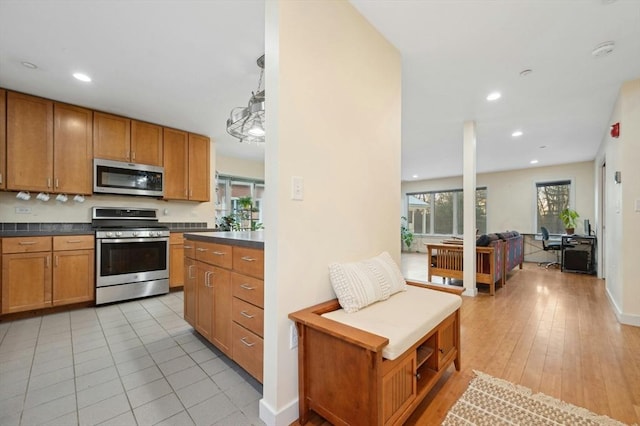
(552, 198)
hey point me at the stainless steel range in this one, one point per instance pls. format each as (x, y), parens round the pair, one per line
(132, 254)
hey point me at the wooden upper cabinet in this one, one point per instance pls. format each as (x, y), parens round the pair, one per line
(29, 143)
(176, 164)
(73, 149)
(199, 187)
(111, 137)
(3, 139)
(146, 143)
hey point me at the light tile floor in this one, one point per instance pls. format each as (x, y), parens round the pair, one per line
(133, 363)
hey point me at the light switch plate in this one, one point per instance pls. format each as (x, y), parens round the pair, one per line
(23, 210)
(297, 188)
(638, 205)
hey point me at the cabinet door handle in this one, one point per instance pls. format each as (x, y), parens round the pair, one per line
(48, 182)
(48, 261)
(201, 249)
(56, 261)
(219, 253)
(189, 269)
(27, 243)
(243, 340)
(247, 315)
(0, 178)
(133, 155)
(247, 287)
(248, 259)
(188, 247)
(57, 182)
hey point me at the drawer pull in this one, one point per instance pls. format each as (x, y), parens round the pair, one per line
(247, 287)
(74, 241)
(219, 253)
(243, 340)
(248, 259)
(246, 315)
(201, 249)
(188, 247)
(27, 243)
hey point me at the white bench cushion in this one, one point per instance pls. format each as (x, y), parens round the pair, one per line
(403, 318)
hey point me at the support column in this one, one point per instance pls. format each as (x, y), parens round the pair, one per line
(469, 191)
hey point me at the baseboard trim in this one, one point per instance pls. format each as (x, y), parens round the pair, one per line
(285, 417)
(622, 318)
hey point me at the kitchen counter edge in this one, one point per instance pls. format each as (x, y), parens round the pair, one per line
(253, 239)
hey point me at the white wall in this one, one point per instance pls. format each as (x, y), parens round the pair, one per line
(240, 167)
(511, 194)
(52, 211)
(622, 220)
(333, 118)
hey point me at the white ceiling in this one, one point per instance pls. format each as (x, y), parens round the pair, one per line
(187, 63)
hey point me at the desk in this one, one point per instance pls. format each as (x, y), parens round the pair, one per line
(579, 254)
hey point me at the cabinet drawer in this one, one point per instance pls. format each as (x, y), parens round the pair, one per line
(176, 238)
(214, 254)
(26, 244)
(73, 242)
(249, 261)
(190, 249)
(248, 351)
(249, 316)
(248, 289)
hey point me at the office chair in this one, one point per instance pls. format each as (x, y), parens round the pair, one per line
(547, 246)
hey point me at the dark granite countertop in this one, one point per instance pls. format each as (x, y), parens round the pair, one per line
(251, 239)
(37, 229)
(42, 233)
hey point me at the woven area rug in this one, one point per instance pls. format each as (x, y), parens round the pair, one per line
(492, 401)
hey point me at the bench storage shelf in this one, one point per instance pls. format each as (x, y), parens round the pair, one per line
(344, 377)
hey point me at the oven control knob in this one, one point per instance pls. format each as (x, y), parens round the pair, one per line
(109, 234)
(154, 234)
(118, 234)
(134, 233)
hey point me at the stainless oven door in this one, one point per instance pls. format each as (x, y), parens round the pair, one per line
(128, 260)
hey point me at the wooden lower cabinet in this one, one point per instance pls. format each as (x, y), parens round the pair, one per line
(41, 272)
(224, 306)
(190, 286)
(176, 260)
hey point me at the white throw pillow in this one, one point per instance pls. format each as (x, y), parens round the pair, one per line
(359, 284)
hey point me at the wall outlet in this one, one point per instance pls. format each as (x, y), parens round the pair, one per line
(23, 210)
(293, 337)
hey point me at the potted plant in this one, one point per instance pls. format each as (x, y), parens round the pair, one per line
(569, 217)
(406, 234)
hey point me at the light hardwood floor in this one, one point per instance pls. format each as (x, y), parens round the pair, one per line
(550, 331)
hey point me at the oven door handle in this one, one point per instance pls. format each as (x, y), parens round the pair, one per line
(131, 240)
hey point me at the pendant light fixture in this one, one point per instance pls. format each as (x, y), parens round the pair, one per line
(247, 123)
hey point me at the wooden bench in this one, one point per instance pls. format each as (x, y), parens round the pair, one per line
(342, 373)
(445, 260)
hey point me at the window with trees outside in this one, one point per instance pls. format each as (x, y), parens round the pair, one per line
(230, 194)
(552, 198)
(442, 213)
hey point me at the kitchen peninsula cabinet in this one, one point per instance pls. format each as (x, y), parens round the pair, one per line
(186, 165)
(48, 146)
(229, 267)
(41, 272)
(3, 138)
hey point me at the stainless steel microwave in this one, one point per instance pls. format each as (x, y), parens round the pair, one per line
(116, 177)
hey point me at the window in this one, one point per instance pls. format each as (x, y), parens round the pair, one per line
(441, 212)
(229, 191)
(551, 199)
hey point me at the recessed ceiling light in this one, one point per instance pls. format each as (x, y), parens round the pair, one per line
(517, 133)
(414, 176)
(525, 73)
(82, 77)
(493, 96)
(533, 162)
(603, 49)
(29, 65)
